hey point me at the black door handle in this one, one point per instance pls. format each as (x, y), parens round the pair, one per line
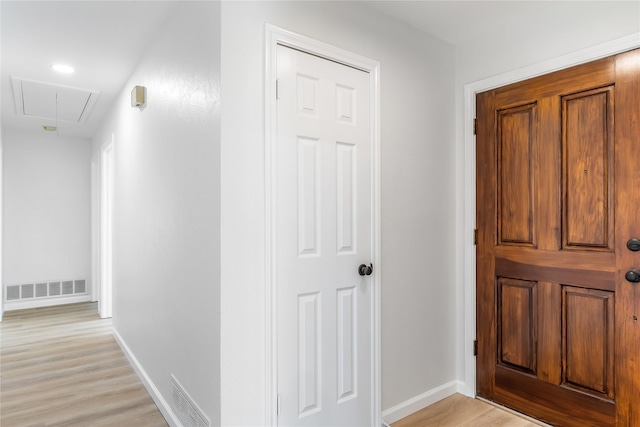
(633, 244)
(632, 276)
(365, 270)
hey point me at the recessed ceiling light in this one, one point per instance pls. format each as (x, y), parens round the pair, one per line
(62, 68)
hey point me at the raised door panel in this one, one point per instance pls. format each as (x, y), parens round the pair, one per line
(347, 196)
(516, 162)
(308, 95)
(347, 344)
(587, 320)
(517, 326)
(309, 196)
(588, 169)
(309, 357)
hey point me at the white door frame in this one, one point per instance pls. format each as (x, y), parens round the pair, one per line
(470, 90)
(107, 157)
(95, 226)
(275, 36)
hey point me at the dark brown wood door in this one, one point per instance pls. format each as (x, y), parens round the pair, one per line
(558, 197)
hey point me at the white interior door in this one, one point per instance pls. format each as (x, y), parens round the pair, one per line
(105, 305)
(325, 307)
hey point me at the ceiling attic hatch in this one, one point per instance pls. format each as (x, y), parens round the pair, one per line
(49, 101)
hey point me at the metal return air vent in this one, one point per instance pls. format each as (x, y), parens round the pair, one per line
(32, 291)
(185, 408)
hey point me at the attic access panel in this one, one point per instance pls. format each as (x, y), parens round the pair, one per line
(50, 101)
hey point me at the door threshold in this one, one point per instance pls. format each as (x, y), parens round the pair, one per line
(513, 412)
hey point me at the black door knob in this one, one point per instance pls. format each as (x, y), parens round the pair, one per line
(632, 276)
(365, 270)
(633, 245)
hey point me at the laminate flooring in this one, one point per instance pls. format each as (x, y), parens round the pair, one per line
(61, 366)
(461, 411)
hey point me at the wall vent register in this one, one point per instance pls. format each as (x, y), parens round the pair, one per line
(31, 291)
(188, 412)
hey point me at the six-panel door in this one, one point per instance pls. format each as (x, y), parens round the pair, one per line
(323, 234)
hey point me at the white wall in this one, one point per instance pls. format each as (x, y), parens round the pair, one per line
(1, 221)
(560, 29)
(167, 207)
(46, 207)
(417, 144)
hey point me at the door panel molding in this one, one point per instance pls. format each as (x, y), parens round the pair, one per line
(468, 312)
(275, 36)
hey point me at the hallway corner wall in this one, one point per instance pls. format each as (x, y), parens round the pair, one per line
(166, 249)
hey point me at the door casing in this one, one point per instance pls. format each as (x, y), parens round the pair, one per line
(275, 36)
(468, 312)
(95, 226)
(107, 158)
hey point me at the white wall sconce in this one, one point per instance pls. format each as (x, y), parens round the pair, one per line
(138, 96)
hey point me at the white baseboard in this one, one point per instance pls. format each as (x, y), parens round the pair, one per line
(44, 302)
(421, 401)
(160, 402)
(467, 390)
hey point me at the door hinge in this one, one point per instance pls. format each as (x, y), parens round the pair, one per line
(277, 89)
(278, 404)
(475, 236)
(475, 126)
(475, 347)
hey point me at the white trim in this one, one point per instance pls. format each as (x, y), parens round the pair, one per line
(95, 227)
(421, 401)
(45, 302)
(273, 37)
(155, 394)
(469, 271)
(107, 180)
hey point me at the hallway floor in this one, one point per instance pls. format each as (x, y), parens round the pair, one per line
(461, 411)
(61, 366)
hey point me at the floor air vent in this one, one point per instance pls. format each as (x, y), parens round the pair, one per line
(185, 408)
(31, 291)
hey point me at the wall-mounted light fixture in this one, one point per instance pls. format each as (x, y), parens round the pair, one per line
(138, 96)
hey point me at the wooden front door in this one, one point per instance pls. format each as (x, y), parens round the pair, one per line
(558, 198)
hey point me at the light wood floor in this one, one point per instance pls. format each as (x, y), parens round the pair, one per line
(462, 411)
(61, 366)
